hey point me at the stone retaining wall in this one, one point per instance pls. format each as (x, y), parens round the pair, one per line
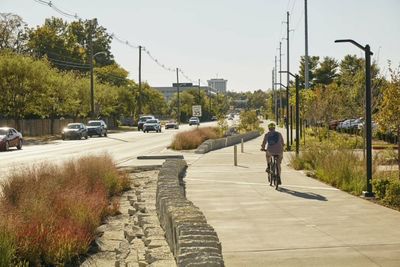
(192, 241)
(214, 144)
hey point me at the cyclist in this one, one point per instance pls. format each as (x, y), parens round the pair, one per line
(275, 143)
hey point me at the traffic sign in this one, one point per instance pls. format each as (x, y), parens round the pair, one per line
(182, 84)
(196, 111)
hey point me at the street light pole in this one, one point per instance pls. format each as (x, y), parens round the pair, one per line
(91, 56)
(177, 89)
(140, 82)
(368, 112)
(297, 109)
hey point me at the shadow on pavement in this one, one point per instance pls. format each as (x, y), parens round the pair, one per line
(303, 194)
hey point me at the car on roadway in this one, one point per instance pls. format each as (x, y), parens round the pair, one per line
(74, 131)
(171, 124)
(97, 127)
(152, 125)
(143, 119)
(194, 121)
(9, 137)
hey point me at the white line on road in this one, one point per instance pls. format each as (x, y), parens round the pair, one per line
(248, 183)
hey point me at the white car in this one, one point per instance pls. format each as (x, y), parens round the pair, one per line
(194, 121)
(152, 125)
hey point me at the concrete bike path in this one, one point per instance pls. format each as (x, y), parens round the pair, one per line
(305, 223)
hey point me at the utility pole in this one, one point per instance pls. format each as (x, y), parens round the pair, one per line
(177, 90)
(278, 109)
(140, 83)
(274, 109)
(199, 93)
(287, 88)
(306, 66)
(91, 70)
(280, 75)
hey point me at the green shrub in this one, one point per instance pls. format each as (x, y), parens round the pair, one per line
(380, 186)
(249, 121)
(392, 196)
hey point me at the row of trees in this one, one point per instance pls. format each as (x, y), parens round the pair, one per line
(44, 73)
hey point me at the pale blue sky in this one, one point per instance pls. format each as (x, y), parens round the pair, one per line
(234, 39)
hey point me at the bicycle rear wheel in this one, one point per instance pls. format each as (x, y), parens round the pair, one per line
(276, 175)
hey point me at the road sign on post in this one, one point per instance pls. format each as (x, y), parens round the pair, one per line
(196, 111)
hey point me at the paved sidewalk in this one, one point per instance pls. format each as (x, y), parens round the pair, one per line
(306, 223)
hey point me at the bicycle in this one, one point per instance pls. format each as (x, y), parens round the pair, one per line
(273, 172)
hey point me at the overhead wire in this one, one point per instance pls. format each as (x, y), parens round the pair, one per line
(113, 35)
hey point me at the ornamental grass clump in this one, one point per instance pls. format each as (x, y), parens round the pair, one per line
(51, 212)
(193, 138)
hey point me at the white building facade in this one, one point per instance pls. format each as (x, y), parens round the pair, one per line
(218, 85)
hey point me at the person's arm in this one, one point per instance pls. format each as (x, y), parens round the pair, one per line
(264, 142)
(282, 141)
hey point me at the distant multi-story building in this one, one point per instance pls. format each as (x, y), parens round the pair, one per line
(169, 92)
(218, 85)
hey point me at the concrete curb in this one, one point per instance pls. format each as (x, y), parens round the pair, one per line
(192, 240)
(161, 157)
(214, 144)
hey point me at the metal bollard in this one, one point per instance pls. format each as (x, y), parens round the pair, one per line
(235, 155)
(242, 146)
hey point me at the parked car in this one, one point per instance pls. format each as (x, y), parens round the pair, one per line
(214, 118)
(143, 119)
(9, 137)
(171, 124)
(74, 131)
(152, 125)
(97, 127)
(194, 121)
(334, 124)
(346, 125)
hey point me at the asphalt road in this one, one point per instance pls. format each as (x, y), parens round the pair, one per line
(121, 146)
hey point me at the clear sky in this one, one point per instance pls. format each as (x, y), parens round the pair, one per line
(232, 39)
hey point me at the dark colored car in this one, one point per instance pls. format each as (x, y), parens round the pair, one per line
(97, 127)
(9, 137)
(152, 125)
(171, 125)
(74, 131)
(143, 119)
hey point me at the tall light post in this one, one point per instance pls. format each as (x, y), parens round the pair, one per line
(297, 110)
(92, 56)
(368, 113)
(177, 90)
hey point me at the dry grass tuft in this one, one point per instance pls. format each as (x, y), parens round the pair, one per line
(193, 138)
(52, 211)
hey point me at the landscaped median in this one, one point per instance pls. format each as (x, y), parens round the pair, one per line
(49, 213)
(337, 160)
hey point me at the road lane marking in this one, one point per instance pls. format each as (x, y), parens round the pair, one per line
(250, 183)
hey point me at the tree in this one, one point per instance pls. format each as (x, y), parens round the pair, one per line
(13, 33)
(67, 45)
(388, 115)
(326, 72)
(23, 82)
(112, 74)
(312, 65)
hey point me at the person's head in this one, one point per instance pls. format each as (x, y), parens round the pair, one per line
(271, 126)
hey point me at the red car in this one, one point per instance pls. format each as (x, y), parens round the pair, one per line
(9, 137)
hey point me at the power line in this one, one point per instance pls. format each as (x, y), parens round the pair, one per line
(113, 35)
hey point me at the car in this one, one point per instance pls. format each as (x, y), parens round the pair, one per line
(152, 125)
(171, 124)
(214, 118)
(346, 125)
(97, 127)
(143, 119)
(9, 137)
(74, 131)
(334, 124)
(194, 121)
